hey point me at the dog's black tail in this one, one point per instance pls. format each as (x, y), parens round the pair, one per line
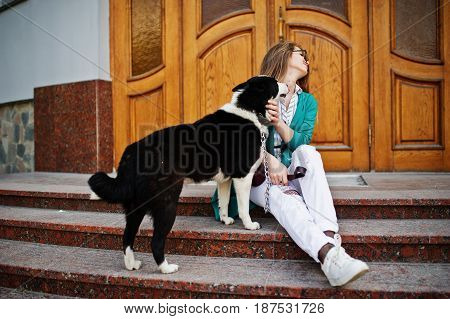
(115, 190)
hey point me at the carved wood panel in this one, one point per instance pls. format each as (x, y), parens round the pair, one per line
(417, 110)
(222, 67)
(147, 113)
(329, 75)
(223, 54)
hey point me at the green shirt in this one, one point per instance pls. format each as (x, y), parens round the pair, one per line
(302, 124)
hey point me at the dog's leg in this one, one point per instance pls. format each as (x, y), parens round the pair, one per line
(164, 213)
(163, 222)
(243, 186)
(223, 190)
(134, 220)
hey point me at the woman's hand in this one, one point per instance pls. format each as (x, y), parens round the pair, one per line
(277, 171)
(272, 108)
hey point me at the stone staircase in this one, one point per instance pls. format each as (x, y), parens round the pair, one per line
(55, 240)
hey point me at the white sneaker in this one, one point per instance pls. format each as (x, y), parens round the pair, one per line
(339, 267)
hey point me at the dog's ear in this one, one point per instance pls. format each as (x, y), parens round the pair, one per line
(240, 87)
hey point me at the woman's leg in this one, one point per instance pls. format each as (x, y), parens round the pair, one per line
(291, 212)
(314, 187)
(337, 265)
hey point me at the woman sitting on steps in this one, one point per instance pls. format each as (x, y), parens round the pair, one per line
(304, 207)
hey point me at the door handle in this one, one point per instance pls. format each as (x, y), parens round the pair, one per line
(280, 24)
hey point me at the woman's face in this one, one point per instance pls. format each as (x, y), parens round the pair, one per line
(298, 62)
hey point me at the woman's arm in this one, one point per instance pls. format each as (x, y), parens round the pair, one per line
(282, 128)
(277, 171)
(285, 131)
(304, 134)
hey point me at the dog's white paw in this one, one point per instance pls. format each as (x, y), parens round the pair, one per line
(167, 268)
(130, 262)
(137, 264)
(252, 226)
(227, 220)
(94, 196)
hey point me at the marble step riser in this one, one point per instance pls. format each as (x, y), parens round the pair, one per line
(201, 208)
(371, 248)
(99, 286)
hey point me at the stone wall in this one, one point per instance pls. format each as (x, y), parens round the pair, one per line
(17, 137)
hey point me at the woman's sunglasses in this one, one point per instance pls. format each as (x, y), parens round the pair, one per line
(302, 52)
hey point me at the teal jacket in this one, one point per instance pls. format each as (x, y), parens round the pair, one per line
(302, 124)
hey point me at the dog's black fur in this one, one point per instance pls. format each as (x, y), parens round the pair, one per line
(151, 171)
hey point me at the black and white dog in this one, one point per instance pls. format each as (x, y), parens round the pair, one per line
(224, 146)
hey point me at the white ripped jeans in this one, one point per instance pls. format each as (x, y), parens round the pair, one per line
(304, 218)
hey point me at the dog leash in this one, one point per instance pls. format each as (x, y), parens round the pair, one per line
(266, 172)
(269, 182)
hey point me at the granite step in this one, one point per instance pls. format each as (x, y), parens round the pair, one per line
(425, 240)
(10, 293)
(200, 204)
(386, 196)
(96, 273)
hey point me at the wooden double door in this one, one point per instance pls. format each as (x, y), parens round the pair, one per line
(381, 100)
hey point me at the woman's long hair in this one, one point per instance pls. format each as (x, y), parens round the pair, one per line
(275, 62)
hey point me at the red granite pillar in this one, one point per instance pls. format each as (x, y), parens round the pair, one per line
(73, 127)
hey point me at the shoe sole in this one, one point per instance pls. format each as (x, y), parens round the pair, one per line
(356, 276)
